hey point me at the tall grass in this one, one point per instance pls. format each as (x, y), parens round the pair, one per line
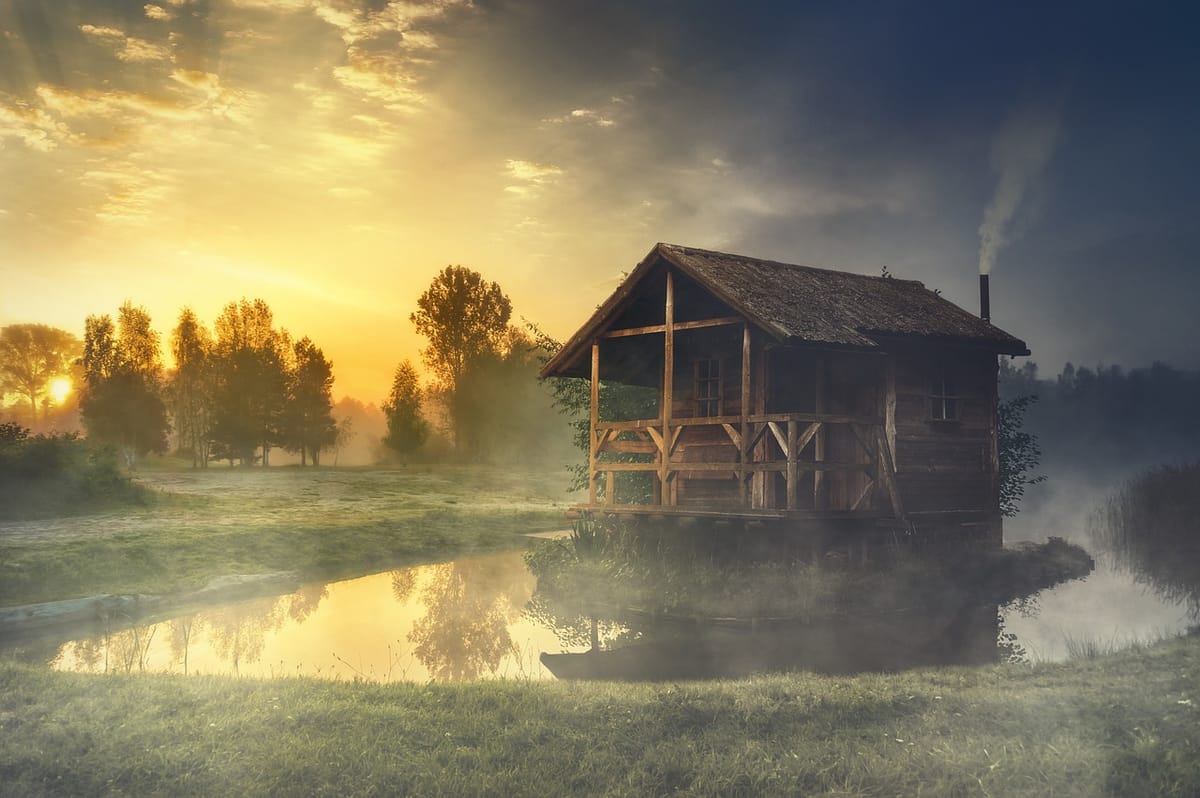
(1123, 726)
(1151, 528)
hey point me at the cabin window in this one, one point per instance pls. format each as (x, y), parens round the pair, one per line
(943, 400)
(708, 387)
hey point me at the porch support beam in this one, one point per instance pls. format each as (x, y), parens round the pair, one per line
(593, 442)
(820, 487)
(744, 436)
(668, 398)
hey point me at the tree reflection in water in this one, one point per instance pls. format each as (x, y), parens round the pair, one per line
(469, 605)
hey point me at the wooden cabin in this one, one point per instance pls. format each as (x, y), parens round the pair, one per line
(774, 393)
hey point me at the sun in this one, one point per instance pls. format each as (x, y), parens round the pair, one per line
(59, 388)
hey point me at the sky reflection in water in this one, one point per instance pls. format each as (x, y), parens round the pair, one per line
(448, 621)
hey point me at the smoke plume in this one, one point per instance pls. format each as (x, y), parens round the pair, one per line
(1020, 151)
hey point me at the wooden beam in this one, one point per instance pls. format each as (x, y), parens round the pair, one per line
(610, 488)
(652, 329)
(656, 436)
(810, 432)
(593, 447)
(866, 491)
(887, 474)
(780, 438)
(889, 402)
(820, 488)
(742, 443)
(735, 436)
(668, 390)
(793, 473)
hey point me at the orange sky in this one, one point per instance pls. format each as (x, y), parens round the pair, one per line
(331, 156)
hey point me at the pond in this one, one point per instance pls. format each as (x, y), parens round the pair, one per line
(448, 621)
(475, 618)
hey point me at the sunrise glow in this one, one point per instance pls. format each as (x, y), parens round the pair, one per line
(59, 389)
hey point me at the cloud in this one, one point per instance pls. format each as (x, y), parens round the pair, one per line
(382, 77)
(140, 50)
(533, 177)
(386, 50)
(585, 115)
(36, 129)
(127, 48)
(101, 32)
(132, 194)
(157, 13)
(220, 100)
(1020, 152)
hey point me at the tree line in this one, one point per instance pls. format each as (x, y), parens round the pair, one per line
(1107, 418)
(245, 387)
(235, 394)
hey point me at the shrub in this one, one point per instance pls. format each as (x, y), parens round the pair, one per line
(57, 474)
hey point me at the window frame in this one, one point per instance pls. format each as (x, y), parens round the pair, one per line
(702, 396)
(945, 403)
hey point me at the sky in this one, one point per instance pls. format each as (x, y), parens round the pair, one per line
(331, 156)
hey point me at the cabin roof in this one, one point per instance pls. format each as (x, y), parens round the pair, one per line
(802, 304)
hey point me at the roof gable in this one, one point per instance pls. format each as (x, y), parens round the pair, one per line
(802, 304)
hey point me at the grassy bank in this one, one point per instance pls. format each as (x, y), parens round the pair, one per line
(325, 523)
(1125, 725)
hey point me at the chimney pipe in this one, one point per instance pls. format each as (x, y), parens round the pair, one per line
(985, 300)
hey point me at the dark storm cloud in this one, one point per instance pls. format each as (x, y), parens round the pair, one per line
(858, 135)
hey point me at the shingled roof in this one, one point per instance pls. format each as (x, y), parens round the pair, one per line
(801, 304)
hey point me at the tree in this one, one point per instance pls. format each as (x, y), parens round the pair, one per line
(122, 394)
(464, 317)
(251, 364)
(30, 356)
(308, 420)
(191, 386)
(1019, 454)
(341, 439)
(407, 428)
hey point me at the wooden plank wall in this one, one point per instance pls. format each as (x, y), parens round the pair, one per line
(945, 465)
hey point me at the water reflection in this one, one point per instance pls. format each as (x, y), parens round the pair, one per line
(449, 621)
(1150, 528)
(666, 613)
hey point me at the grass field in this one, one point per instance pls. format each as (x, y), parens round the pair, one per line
(323, 523)
(1121, 725)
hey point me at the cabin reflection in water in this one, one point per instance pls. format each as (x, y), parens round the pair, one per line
(836, 645)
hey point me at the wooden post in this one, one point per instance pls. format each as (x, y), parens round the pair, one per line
(763, 487)
(889, 403)
(793, 470)
(993, 437)
(820, 490)
(743, 447)
(664, 468)
(595, 422)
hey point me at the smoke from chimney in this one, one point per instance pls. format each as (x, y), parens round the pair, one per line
(1020, 151)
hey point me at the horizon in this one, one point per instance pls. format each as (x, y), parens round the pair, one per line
(331, 157)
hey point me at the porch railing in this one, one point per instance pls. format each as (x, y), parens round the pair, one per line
(791, 444)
